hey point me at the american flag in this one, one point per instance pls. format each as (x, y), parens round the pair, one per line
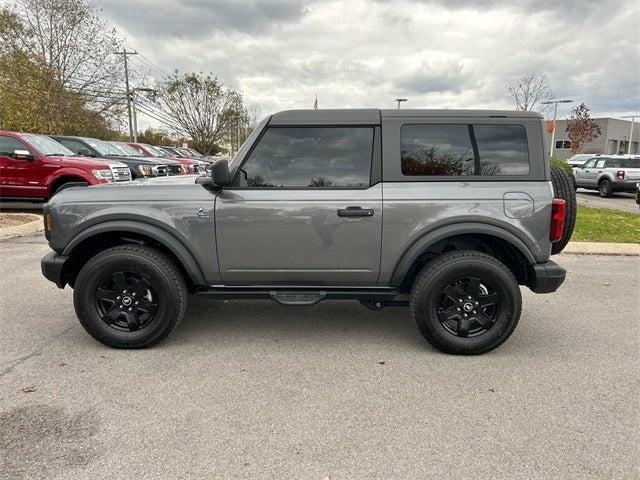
(315, 104)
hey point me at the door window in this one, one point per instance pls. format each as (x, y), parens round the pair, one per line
(591, 163)
(310, 157)
(9, 144)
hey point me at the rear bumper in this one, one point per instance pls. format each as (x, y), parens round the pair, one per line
(52, 265)
(624, 186)
(546, 277)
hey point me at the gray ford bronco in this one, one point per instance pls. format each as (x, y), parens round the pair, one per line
(447, 212)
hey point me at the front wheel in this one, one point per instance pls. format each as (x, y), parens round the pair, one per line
(130, 296)
(466, 302)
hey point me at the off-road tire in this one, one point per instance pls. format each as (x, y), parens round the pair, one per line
(426, 293)
(162, 274)
(604, 188)
(564, 188)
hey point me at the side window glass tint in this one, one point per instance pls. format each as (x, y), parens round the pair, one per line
(436, 150)
(460, 150)
(9, 144)
(503, 149)
(338, 157)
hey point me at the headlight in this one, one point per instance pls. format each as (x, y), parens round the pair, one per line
(145, 170)
(103, 175)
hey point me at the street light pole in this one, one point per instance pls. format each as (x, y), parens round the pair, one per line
(400, 100)
(555, 114)
(632, 117)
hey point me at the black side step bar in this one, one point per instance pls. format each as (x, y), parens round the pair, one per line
(303, 297)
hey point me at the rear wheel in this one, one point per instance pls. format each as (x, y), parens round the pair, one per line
(130, 296)
(604, 189)
(565, 189)
(466, 302)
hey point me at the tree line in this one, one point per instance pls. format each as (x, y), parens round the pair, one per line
(59, 74)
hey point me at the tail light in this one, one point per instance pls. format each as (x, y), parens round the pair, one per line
(558, 213)
(620, 174)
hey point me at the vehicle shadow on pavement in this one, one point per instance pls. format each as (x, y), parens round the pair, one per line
(221, 321)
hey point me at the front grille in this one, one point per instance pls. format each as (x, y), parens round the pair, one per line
(174, 169)
(161, 170)
(121, 174)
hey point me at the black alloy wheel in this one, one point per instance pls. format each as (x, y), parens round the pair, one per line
(468, 307)
(126, 301)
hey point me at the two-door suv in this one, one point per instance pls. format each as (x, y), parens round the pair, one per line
(444, 211)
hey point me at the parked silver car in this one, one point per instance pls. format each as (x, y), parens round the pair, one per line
(609, 174)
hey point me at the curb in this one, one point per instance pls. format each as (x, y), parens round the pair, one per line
(24, 229)
(595, 248)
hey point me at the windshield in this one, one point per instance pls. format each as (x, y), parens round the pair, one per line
(126, 150)
(242, 152)
(102, 147)
(159, 151)
(47, 146)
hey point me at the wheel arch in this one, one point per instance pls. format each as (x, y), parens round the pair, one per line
(497, 241)
(65, 178)
(107, 234)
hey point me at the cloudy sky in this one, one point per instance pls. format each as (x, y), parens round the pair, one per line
(438, 54)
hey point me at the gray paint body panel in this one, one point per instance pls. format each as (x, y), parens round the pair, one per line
(244, 236)
(274, 236)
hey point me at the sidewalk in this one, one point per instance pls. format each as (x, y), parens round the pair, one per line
(595, 248)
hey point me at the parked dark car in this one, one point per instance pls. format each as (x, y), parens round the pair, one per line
(173, 167)
(92, 147)
(189, 165)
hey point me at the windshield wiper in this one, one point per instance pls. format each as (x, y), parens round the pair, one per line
(58, 155)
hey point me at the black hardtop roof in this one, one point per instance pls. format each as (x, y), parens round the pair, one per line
(372, 116)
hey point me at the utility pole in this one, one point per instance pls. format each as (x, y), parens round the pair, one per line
(126, 79)
(555, 114)
(400, 100)
(133, 107)
(632, 117)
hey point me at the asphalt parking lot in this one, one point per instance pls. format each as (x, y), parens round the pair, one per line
(625, 202)
(333, 391)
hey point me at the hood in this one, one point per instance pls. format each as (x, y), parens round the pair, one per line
(167, 189)
(87, 162)
(138, 160)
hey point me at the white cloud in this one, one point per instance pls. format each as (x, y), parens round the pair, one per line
(356, 53)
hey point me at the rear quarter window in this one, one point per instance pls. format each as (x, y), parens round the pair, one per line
(464, 150)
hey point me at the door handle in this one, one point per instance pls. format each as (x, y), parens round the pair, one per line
(355, 212)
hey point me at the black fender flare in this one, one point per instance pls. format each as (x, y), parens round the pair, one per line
(423, 243)
(163, 237)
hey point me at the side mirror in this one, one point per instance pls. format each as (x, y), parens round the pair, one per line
(23, 155)
(220, 173)
(220, 176)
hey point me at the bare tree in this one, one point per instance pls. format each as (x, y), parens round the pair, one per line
(529, 91)
(199, 106)
(581, 128)
(74, 43)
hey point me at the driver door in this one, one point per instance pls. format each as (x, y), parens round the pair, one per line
(17, 176)
(302, 211)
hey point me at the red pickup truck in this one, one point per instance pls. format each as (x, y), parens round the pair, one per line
(190, 165)
(34, 167)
